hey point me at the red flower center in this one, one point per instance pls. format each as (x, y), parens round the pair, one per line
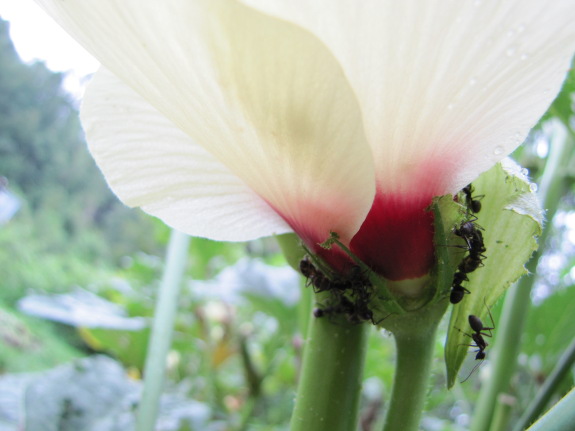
(396, 238)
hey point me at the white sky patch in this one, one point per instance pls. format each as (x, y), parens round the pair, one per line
(37, 37)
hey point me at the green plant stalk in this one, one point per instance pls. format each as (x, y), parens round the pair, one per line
(548, 389)
(414, 335)
(329, 388)
(503, 409)
(518, 299)
(505, 351)
(560, 418)
(162, 329)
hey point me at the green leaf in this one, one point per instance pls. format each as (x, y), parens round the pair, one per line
(563, 105)
(549, 327)
(560, 418)
(511, 219)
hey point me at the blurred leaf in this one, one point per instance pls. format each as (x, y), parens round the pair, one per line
(208, 257)
(511, 219)
(92, 394)
(80, 396)
(29, 344)
(549, 327)
(129, 347)
(102, 324)
(80, 308)
(562, 107)
(253, 277)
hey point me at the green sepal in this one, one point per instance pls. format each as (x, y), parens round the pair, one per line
(449, 249)
(292, 249)
(512, 219)
(384, 302)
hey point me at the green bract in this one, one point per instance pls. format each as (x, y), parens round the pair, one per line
(511, 219)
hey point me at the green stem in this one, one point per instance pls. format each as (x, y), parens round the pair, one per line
(548, 389)
(505, 351)
(415, 340)
(503, 411)
(162, 328)
(518, 300)
(330, 382)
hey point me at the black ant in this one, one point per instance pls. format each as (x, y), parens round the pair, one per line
(355, 309)
(472, 204)
(318, 279)
(470, 263)
(470, 232)
(479, 331)
(457, 290)
(342, 306)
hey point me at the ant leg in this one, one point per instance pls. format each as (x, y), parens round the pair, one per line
(464, 333)
(472, 371)
(492, 321)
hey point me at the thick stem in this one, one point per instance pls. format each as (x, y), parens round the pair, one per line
(415, 339)
(330, 383)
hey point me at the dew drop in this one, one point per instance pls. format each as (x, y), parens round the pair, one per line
(498, 150)
(525, 171)
(533, 187)
(510, 52)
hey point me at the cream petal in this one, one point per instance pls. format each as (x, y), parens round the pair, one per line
(150, 163)
(447, 88)
(265, 97)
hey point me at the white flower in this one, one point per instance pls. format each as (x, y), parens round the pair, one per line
(236, 121)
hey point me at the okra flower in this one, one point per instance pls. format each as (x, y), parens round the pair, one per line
(234, 120)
